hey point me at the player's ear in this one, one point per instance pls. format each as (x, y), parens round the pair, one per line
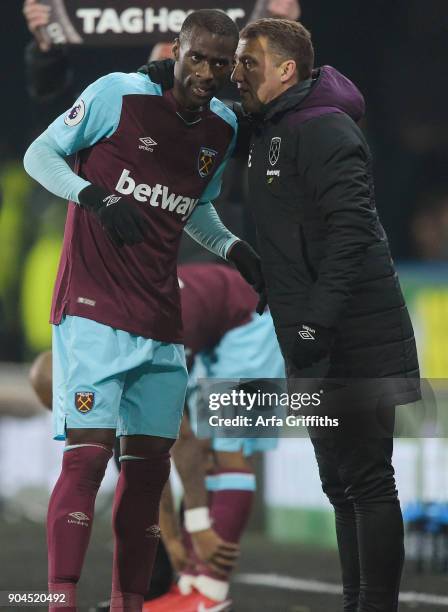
(176, 47)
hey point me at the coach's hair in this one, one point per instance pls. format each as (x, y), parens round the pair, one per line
(212, 20)
(287, 39)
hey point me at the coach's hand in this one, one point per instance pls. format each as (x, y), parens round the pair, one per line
(162, 72)
(312, 344)
(123, 220)
(248, 264)
(219, 555)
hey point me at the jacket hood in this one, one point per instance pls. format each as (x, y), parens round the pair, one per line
(327, 91)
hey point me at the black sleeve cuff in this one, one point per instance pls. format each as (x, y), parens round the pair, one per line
(92, 197)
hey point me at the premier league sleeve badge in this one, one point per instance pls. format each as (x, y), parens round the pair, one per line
(76, 114)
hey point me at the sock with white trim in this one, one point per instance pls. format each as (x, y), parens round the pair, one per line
(70, 517)
(135, 520)
(232, 494)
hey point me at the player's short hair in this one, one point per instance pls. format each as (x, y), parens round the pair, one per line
(212, 20)
(287, 39)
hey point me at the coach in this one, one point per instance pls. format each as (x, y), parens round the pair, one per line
(332, 288)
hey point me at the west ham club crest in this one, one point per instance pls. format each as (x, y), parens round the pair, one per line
(84, 401)
(206, 161)
(274, 150)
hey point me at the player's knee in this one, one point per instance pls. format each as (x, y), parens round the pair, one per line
(87, 465)
(145, 462)
(40, 377)
(92, 477)
(185, 433)
(101, 437)
(234, 460)
(144, 477)
(145, 447)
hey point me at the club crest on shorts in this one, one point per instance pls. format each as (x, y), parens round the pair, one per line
(274, 150)
(84, 401)
(206, 160)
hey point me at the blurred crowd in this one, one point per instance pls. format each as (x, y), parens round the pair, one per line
(394, 51)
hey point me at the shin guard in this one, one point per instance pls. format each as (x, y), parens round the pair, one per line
(136, 528)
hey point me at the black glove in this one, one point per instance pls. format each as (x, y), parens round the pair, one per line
(262, 301)
(123, 221)
(311, 345)
(248, 264)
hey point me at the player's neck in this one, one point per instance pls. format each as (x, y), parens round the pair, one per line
(190, 116)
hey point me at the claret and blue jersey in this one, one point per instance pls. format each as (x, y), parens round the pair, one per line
(130, 138)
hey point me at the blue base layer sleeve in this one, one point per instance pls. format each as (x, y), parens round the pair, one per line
(45, 162)
(208, 230)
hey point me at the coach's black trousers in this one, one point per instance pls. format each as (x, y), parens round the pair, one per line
(355, 467)
(358, 478)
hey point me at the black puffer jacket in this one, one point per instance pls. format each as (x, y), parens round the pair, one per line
(325, 255)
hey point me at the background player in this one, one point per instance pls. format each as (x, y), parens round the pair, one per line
(116, 311)
(224, 339)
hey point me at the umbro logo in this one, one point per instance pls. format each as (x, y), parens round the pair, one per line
(111, 199)
(148, 144)
(307, 333)
(153, 531)
(78, 518)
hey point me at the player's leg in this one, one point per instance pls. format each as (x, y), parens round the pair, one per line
(162, 576)
(85, 411)
(192, 458)
(229, 501)
(232, 488)
(231, 493)
(71, 507)
(150, 415)
(232, 460)
(250, 351)
(145, 467)
(86, 463)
